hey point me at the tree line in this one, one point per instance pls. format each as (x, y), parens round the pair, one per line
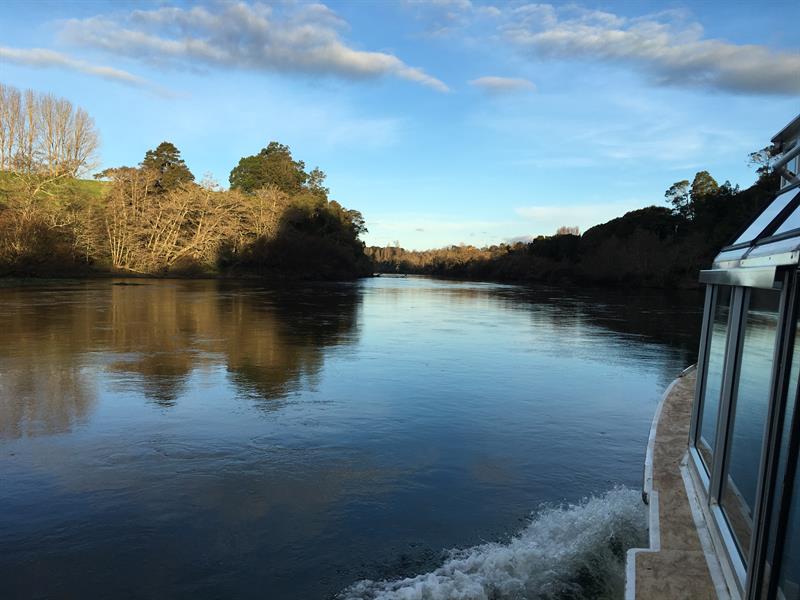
(155, 218)
(656, 246)
(277, 219)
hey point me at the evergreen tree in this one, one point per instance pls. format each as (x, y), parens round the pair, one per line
(274, 166)
(703, 185)
(166, 161)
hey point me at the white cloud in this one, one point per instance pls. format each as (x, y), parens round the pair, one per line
(672, 52)
(503, 85)
(489, 11)
(295, 39)
(450, 4)
(530, 15)
(442, 17)
(42, 58)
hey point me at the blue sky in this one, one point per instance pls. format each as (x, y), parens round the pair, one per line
(452, 121)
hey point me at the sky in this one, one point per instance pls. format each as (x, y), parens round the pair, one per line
(443, 122)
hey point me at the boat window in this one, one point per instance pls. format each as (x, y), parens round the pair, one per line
(715, 362)
(783, 457)
(793, 166)
(729, 255)
(750, 407)
(789, 574)
(792, 221)
(766, 217)
(789, 577)
(774, 250)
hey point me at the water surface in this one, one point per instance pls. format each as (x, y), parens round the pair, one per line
(213, 439)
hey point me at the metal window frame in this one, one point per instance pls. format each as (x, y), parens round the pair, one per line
(747, 556)
(730, 383)
(787, 156)
(771, 455)
(739, 299)
(775, 400)
(793, 448)
(769, 228)
(748, 570)
(741, 277)
(712, 296)
(709, 304)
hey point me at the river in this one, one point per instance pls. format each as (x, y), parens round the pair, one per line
(212, 439)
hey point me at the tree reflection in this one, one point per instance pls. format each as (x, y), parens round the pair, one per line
(152, 337)
(276, 337)
(43, 398)
(44, 387)
(633, 313)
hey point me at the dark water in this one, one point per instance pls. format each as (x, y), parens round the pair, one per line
(199, 439)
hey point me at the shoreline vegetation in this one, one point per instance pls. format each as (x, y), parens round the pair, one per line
(653, 247)
(277, 222)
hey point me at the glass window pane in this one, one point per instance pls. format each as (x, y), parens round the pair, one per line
(792, 221)
(760, 329)
(715, 362)
(789, 576)
(783, 456)
(775, 248)
(766, 217)
(731, 255)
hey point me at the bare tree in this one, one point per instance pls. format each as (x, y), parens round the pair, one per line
(125, 205)
(25, 155)
(44, 135)
(82, 142)
(263, 211)
(148, 232)
(190, 222)
(10, 121)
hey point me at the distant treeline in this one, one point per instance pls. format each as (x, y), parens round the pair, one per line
(155, 219)
(655, 246)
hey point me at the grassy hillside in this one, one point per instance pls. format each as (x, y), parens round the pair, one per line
(82, 190)
(75, 227)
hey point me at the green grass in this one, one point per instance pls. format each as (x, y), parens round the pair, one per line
(88, 190)
(91, 188)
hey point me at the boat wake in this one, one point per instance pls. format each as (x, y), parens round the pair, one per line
(571, 552)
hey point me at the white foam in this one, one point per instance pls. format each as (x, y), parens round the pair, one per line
(573, 551)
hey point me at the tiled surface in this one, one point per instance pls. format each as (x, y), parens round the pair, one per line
(679, 570)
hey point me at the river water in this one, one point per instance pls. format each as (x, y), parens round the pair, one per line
(390, 438)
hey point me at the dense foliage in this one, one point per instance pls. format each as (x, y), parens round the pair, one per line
(169, 168)
(274, 165)
(276, 220)
(654, 246)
